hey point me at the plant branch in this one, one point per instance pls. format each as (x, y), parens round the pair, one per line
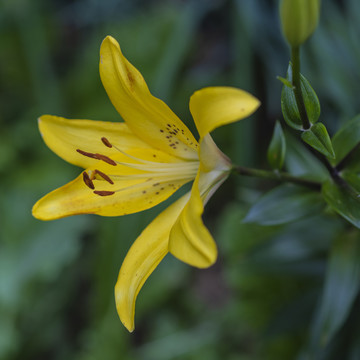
(277, 176)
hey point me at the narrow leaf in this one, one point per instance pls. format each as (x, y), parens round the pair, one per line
(346, 139)
(340, 289)
(343, 199)
(277, 148)
(318, 138)
(284, 204)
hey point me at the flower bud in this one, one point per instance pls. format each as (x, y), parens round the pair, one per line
(299, 19)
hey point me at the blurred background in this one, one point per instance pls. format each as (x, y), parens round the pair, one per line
(57, 278)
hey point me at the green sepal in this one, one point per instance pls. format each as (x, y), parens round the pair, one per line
(285, 82)
(318, 138)
(289, 106)
(284, 204)
(346, 139)
(344, 199)
(277, 148)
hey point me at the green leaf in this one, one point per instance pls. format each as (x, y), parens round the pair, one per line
(286, 82)
(277, 148)
(289, 106)
(346, 139)
(318, 138)
(284, 204)
(352, 178)
(344, 199)
(301, 162)
(340, 290)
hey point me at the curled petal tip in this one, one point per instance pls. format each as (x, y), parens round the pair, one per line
(109, 38)
(34, 212)
(130, 326)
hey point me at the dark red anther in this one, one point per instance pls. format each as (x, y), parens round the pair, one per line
(88, 181)
(106, 142)
(104, 192)
(90, 155)
(105, 159)
(104, 176)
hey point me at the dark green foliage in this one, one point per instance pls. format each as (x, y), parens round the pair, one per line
(287, 290)
(344, 199)
(284, 204)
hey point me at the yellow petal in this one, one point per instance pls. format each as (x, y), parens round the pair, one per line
(134, 191)
(190, 241)
(64, 136)
(147, 116)
(216, 106)
(141, 260)
(211, 157)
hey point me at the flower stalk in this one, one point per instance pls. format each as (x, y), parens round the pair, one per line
(277, 176)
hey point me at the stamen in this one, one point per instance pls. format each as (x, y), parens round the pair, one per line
(90, 155)
(104, 193)
(97, 156)
(88, 181)
(105, 158)
(104, 176)
(106, 142)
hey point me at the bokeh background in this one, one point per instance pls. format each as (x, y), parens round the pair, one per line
(57, 278)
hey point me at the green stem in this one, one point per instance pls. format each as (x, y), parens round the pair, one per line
(295, 59)
(277, 176)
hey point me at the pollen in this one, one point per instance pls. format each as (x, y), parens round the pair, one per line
(105, 159)
(85, 153)
(97, 157)
(88, 182)
(106, 142)
(104, 193)
(104, 176)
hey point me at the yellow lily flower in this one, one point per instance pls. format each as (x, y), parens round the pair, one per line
(137, 164)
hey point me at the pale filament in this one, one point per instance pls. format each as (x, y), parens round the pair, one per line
(190, 167)
(165, 168)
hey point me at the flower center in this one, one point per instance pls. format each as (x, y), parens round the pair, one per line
(145, 171)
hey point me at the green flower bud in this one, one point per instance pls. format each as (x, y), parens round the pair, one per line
(299, 19)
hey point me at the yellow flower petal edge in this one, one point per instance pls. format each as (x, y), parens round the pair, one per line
(147, 116)
(190, 241)
(216, 106)
(65, 136)
(141, 260)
